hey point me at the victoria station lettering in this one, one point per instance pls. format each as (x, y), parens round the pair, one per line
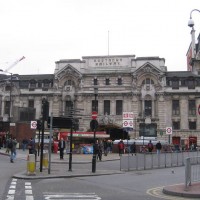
(108, 61)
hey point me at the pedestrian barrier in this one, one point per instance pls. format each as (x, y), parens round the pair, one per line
(45, 161)
(192, 171)
(144, 161)
(31, 164)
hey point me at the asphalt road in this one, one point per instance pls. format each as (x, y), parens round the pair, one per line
(133, 185)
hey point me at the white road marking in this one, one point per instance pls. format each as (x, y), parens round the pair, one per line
(28, 191)
(157, 192)
(71, 196)
(11, 191)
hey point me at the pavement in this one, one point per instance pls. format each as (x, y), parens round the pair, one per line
(59, 169)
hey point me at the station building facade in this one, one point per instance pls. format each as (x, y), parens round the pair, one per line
(157, 97)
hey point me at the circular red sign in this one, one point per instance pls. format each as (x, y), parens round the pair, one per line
(94, 114)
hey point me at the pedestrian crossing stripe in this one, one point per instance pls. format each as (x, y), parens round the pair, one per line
(71, 196)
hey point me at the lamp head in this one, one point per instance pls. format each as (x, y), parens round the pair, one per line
(191, 22)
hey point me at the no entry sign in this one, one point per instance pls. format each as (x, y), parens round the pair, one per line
(94, 114)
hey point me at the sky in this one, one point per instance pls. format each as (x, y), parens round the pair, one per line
(46, 31)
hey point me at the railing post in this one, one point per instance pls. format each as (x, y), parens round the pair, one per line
(187, 173)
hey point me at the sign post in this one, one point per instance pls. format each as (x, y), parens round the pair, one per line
(169, 132)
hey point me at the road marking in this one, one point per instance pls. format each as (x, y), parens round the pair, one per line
(71, 196)
(11, 191)
(157, 192)
(28, 191)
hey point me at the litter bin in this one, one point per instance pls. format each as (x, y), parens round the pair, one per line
(55, 147)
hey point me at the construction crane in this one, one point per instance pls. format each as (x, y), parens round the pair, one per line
(13, 64)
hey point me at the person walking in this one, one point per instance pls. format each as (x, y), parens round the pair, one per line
(98, 150)
(24, 144)
(133, 148)
(121, 147)
(150, 146)
(14, 149)
(158, 147)
(31, 146)
(105, 147)
(11, 149)
(61, 146)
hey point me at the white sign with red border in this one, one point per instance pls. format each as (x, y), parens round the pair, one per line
(128, 119)
(168, 130)
(33, 124)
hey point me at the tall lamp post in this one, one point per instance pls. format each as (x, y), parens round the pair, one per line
(94, 125)
(191, 24)
(10, 97)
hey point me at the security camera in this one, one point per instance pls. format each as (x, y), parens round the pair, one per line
(191, 23)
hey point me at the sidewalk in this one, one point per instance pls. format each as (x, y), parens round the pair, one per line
(59, 169)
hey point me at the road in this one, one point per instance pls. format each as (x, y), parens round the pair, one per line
(138, 185)
(7, 170)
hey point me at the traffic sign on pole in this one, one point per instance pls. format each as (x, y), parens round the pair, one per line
(94, 114)
(33, 124)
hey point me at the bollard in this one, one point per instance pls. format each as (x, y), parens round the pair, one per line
(31, 164)
(45, 160)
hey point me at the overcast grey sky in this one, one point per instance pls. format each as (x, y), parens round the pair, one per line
(45, 31)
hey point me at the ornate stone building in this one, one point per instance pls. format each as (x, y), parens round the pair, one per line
(142, 85)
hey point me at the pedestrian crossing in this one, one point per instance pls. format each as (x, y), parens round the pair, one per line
(28, 194)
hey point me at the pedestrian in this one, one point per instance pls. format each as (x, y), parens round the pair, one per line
(121, 147)
(98, 150)
(31, 146)
(24, 144)
(61, 146)
(133, 148)
(7, 148)
(158, 147)
(105, 147)
(150, 146)
(11, 150)
(14, 149)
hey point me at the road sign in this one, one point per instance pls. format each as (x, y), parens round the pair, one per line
(33, 124)
(168, 130)
(94, 114)
(128, 123)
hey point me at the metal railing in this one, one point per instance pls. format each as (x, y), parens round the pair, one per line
(144, 161)
(192, 171)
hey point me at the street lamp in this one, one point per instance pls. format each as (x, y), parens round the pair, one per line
(191, 24)
(10, 97)
(94, 125)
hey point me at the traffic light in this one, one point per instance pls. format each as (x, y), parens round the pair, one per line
(45, 109)
(39, 125)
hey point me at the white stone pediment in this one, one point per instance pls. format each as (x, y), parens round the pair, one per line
(68, 70)
(147, 68)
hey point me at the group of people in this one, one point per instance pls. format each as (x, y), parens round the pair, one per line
(133, 147)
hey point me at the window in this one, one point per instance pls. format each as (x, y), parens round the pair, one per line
(107, 107)
(192, 125)
(95, 105)
(191, 84)
(175, 84)
(148, 107)
(7, 88)
(119, 81)
(31, 103)
(175, 107)
(7, 107)
(148, 130)
(119, 107)
(32, 84)
(26, 114)
(176, 125)
(107, 81)
(192, 107)
(68, 107)
(95, 81)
